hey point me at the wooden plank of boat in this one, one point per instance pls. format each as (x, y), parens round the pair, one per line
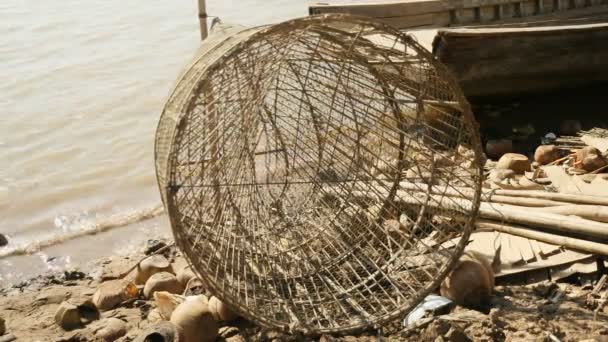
(491, 61)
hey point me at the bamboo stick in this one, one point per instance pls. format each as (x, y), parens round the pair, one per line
(506, 213)
(568, 242)
(578, 199)
(488, 197)
(590, 212)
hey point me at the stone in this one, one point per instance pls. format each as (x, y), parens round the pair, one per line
(516, 162)
(3, 240)
(435, 329)
(570, 127)
(111, 329)
(590, 158)
(455, 334)
(153, 245)
(2, 326)
(73, 275)
(546, 154)
(67, 316)
(498, 147)
(163, 281)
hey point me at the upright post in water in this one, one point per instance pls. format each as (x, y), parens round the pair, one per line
(202, 17)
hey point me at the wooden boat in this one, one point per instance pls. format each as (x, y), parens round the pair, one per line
(502, 47)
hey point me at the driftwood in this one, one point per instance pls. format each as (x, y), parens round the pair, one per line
(568, 242)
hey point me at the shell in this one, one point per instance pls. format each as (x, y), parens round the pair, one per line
(163, 281)
(112, 293)
(167, 302)
(150, 266)
(112, 329)
(220, 311)
(195, 321)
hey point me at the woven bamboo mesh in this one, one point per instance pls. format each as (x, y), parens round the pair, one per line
(303, 167)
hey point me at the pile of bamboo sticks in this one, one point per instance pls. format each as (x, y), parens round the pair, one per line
(577, 222)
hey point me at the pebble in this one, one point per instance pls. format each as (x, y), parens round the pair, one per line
(2, 326)
(153, 245)
(8, 338)
(455, 334)
(3, 240)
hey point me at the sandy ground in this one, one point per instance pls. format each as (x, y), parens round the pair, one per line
(537, 312)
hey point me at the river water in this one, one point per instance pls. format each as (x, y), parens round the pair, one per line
(83, 84)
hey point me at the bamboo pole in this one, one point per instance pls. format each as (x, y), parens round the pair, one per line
(202, 18)
(505, 213)
(568, 242)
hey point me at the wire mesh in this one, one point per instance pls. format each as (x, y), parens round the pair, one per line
(304, 167)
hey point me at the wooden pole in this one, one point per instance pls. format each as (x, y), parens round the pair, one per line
(202, 17)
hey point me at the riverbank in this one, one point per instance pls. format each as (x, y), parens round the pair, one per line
(537, 312)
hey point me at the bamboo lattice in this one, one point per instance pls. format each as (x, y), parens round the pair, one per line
(283, 156)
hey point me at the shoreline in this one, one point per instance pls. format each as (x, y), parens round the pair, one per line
(537, 312)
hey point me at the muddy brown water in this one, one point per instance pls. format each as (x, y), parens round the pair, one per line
(83, 83)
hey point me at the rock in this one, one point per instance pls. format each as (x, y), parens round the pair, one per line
(195, 321)
(546, 154)
(3, 240)
(148, 267)
(435, 329)
(455, 334)
(220, 311)
(155, 316)
(153, 245)
(570, 127)
(111, 329)
(590, 158)
(498, 147)
(112, 293)
(161, 332)
(73, 275)
(2, 326)
(163, 281)
(516, 162)
(67, 316)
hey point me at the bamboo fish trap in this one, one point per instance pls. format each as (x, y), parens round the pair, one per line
(280, 156)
